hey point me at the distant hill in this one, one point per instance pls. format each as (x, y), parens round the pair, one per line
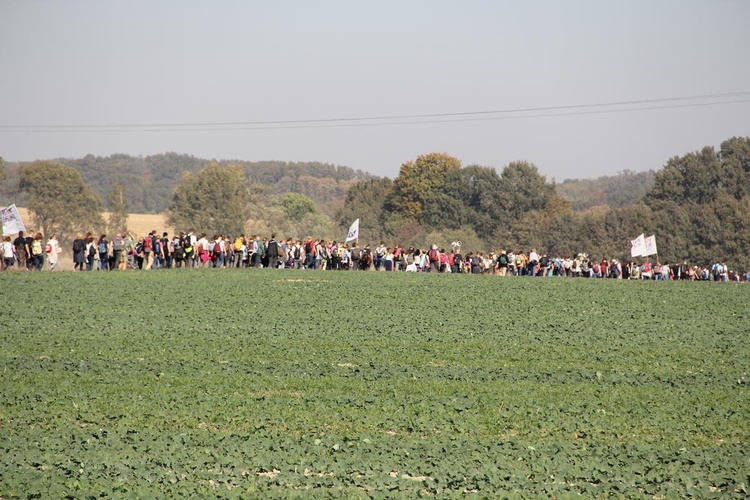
(150, 181)
(613, 191)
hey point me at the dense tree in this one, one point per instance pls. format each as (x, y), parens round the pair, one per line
(150, 181)
(735, 172)
(118, 209)
(59, 200)
(417, 183)
(694, 177)
(214, 200)
(296, 206)
(621, 190)
(524, 189)
(472, 198)
(366, 201)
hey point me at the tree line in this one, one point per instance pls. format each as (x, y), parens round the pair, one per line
(149, 182)
(696, 205)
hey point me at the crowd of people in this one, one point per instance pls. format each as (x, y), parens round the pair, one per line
(162, 251)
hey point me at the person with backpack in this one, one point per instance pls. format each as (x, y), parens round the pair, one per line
(532, 263)
(476, 263)
(37, 252)
(19, 245)
(79, 256)
(53, 251)
(321, 255)
(457, 260)
(188, 248)
(239, 250)
(102, 248)
(365, 258)
(356, 254)
(216, 249)
(398, 258)
(379, 255)
(259, 252)
(118, 246)
(297, 255)
(273, 252)
(520, 264)
(502, 263)
(148, 252)
(178, 245)
(543, 265)
(157, 250)
(91, 252)
(28, 241)
(166, 250)
(138, 255)
(310, 253)
(434, 259)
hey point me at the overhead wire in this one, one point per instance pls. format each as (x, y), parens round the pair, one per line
(432, 118)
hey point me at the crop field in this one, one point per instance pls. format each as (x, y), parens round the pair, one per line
(257, 383)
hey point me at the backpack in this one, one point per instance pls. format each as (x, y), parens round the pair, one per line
(36, 248)
(356, 253)
(217, 249)
(77, 246)
(117, 243)
(544, 261)
(433, 255)
(157, 246)
(92, 250)
(503, 260)
(238, 245)
(48, 248)
(186, 244)
(147, 245)
(519, 261)
(102, 247)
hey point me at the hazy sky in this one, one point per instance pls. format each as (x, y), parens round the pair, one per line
(150, 63)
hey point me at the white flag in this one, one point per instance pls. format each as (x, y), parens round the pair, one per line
(638, 246)
(353, 233)
(650, 246)
(12, 222)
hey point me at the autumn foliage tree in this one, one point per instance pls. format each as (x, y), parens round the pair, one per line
(417, 182)
(59, 200)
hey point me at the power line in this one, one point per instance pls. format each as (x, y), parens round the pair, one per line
(378, 120)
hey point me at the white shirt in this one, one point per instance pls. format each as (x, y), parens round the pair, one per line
(7, 250)
(54, 250)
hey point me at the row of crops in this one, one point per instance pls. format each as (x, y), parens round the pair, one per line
(271, 383)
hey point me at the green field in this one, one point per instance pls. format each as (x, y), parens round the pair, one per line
(249, 383)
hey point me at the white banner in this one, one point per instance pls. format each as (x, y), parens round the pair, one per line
(638, 246)
(12, 222)
(353, 233)
(650, 246)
